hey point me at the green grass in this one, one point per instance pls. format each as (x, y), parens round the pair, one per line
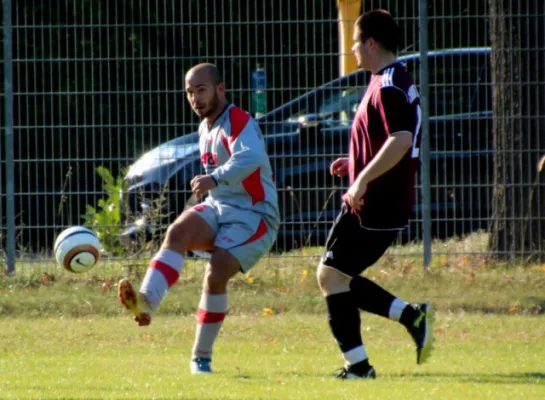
(288, 356)
(66, 336)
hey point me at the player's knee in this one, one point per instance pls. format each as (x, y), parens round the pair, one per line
(331, 281)
(177, 236)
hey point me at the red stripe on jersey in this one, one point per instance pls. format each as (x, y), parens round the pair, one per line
(209, 159)
(225, 144)
(207, 317)
(252, 184)
(261, 231)
(170, 274)
(239, 119)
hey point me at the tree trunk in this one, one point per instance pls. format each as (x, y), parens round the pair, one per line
(517, 34)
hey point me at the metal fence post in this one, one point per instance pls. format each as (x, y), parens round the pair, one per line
(8, 131)
(425, 140)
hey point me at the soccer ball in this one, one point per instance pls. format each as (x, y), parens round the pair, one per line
(77, 249)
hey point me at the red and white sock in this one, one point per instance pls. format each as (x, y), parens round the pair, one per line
(210, 316)
(163, 272)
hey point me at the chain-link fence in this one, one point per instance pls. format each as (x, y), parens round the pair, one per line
(97, 84)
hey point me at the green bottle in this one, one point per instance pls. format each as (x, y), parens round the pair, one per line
(258, 105)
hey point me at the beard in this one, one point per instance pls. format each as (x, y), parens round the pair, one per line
(211, 108)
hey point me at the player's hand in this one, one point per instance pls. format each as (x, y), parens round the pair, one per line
(201, 184)
(339, 167)
(354, 196)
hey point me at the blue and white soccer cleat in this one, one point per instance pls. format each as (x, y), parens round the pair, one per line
(200, 365)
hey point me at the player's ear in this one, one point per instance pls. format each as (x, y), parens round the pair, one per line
(220, 87)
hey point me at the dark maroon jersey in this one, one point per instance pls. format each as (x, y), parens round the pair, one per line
(391, 104)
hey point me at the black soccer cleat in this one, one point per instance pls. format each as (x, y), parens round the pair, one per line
(361, 370)
(421, 331)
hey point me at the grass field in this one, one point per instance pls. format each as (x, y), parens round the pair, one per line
(289, 356)
(65, 335)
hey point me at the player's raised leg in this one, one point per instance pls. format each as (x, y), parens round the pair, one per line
(418, 319)
(190, 231)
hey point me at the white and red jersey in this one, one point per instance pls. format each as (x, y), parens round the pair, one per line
(234, 153)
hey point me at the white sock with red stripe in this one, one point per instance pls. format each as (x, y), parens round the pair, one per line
(163, 272)
(210, 316)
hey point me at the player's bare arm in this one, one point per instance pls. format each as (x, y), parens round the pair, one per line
(391, 153)
(393, 150)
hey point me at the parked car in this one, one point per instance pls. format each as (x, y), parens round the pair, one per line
(306, 134)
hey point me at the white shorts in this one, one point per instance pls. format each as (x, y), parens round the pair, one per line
(245, 234)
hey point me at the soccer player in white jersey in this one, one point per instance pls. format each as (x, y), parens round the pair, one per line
(238, 222)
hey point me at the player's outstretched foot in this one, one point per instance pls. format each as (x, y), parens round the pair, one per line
(422, 331)
(134, 302)
(200, 366)
(361, 370)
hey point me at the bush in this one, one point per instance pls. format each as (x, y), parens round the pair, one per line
(105, 219)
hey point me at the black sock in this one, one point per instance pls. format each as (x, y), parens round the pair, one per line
(371, 297)
(408, 316)
(344, 320)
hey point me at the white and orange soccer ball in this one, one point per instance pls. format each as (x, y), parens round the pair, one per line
(77, 249)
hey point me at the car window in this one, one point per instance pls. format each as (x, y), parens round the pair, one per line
(482, 97)
(455, 83)
(340, 106)
(334, 105)
(458, 83)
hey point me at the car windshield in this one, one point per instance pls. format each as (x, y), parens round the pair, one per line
(331, 105)
(335, 101)
(458, 83)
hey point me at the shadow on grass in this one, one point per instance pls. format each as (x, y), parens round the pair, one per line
(537, 378)
(521, 378)
(524, 378)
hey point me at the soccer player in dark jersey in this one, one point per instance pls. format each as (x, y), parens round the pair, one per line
(382, 161)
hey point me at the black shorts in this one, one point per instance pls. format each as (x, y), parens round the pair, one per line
(352, 248)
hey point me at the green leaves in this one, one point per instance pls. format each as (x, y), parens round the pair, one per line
(105, 218)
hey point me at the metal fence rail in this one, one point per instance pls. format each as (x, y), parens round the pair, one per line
(99, 83)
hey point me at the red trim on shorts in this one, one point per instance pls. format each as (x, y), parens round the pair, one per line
(261, 231)
(170, 274)
(199, 207)
(207, 317)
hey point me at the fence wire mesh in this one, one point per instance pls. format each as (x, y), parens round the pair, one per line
(98, 84)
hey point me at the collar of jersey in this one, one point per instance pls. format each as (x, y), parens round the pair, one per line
(396, 62)
(220, 116)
